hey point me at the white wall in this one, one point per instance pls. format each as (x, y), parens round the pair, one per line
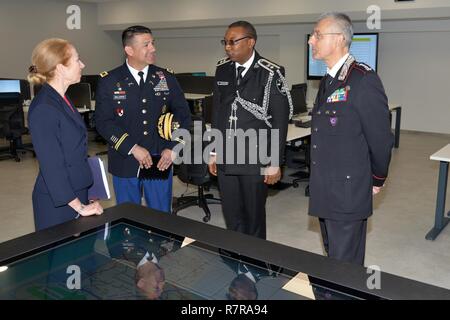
(413, 62)
(190, 13)
(24, 23)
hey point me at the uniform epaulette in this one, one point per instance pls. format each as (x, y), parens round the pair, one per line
(269, 65)
(170, 70)
(222, 61)
(103, 74)
(363, 66)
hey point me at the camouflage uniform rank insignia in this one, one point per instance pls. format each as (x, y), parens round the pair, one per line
(222, 61)
(103, 74)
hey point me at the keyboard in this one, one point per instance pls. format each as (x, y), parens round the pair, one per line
(303, 124)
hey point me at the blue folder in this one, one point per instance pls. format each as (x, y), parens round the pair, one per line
(100, 188)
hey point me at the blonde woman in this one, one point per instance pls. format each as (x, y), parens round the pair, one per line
(59, 137)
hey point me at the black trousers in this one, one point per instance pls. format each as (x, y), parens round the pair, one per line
(244, 203)
(344, 240)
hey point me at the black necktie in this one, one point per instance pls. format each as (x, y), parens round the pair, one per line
(239, 74)
(141, 82)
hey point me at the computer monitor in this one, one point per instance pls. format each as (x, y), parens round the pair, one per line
(9, 86)
(80, 95)
(195, 84)
(25, 89)
(298, 95)
(364, 48)
(92, 79)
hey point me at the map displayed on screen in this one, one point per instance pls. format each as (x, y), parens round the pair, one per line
(127, 262)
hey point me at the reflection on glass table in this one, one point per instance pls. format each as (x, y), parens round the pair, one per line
(125, 261)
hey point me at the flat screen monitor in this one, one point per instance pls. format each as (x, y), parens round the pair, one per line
(196, 84)
(364, 48)
(92, 79)
(25, 89)
(298, 95)
(80, 94)
(9, 86)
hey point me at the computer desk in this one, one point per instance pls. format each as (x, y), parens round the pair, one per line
(195, 96)
(296, 133)
(440, 220)
(296, 136)
(393, 107)
(197, 101)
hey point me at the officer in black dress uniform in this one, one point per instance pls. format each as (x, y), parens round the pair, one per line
(250, 94)
(351, 141)
(130, 99)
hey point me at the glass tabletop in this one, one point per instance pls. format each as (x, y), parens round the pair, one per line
(124, 261)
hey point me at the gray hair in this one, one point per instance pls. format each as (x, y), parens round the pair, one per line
(343, 22)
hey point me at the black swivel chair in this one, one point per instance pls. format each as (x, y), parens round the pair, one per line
(12, 125)
(304, 86)
(207, 109)
(298, 157)
(195, 173)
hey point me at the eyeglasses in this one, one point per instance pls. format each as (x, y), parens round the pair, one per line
(319, 35)
(232, 42)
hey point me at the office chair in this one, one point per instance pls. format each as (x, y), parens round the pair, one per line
(12, 125)
(304, 86)
(207, 109)
(198, 175)
(6, 113)
(303, 175)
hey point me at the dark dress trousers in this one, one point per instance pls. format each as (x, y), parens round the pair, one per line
(351, 142)
(242, 187)
(60, 140)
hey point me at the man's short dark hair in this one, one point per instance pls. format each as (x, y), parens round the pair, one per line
(130, 32)
(249, 28)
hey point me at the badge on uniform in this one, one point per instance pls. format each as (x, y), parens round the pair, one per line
(119, 95)
(119, 111)
(340, 95)
(333, 121)
(162, 84)
(222, 83)
(280, 86)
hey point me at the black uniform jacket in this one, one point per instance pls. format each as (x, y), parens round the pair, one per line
(252, 89)
(351, 142)
(126, 114)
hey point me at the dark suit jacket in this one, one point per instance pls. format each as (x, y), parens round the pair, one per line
(251, 89)
(60, 141)
(125, 115)
(351, 142)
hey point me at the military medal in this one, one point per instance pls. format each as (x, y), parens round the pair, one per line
(333, 121)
